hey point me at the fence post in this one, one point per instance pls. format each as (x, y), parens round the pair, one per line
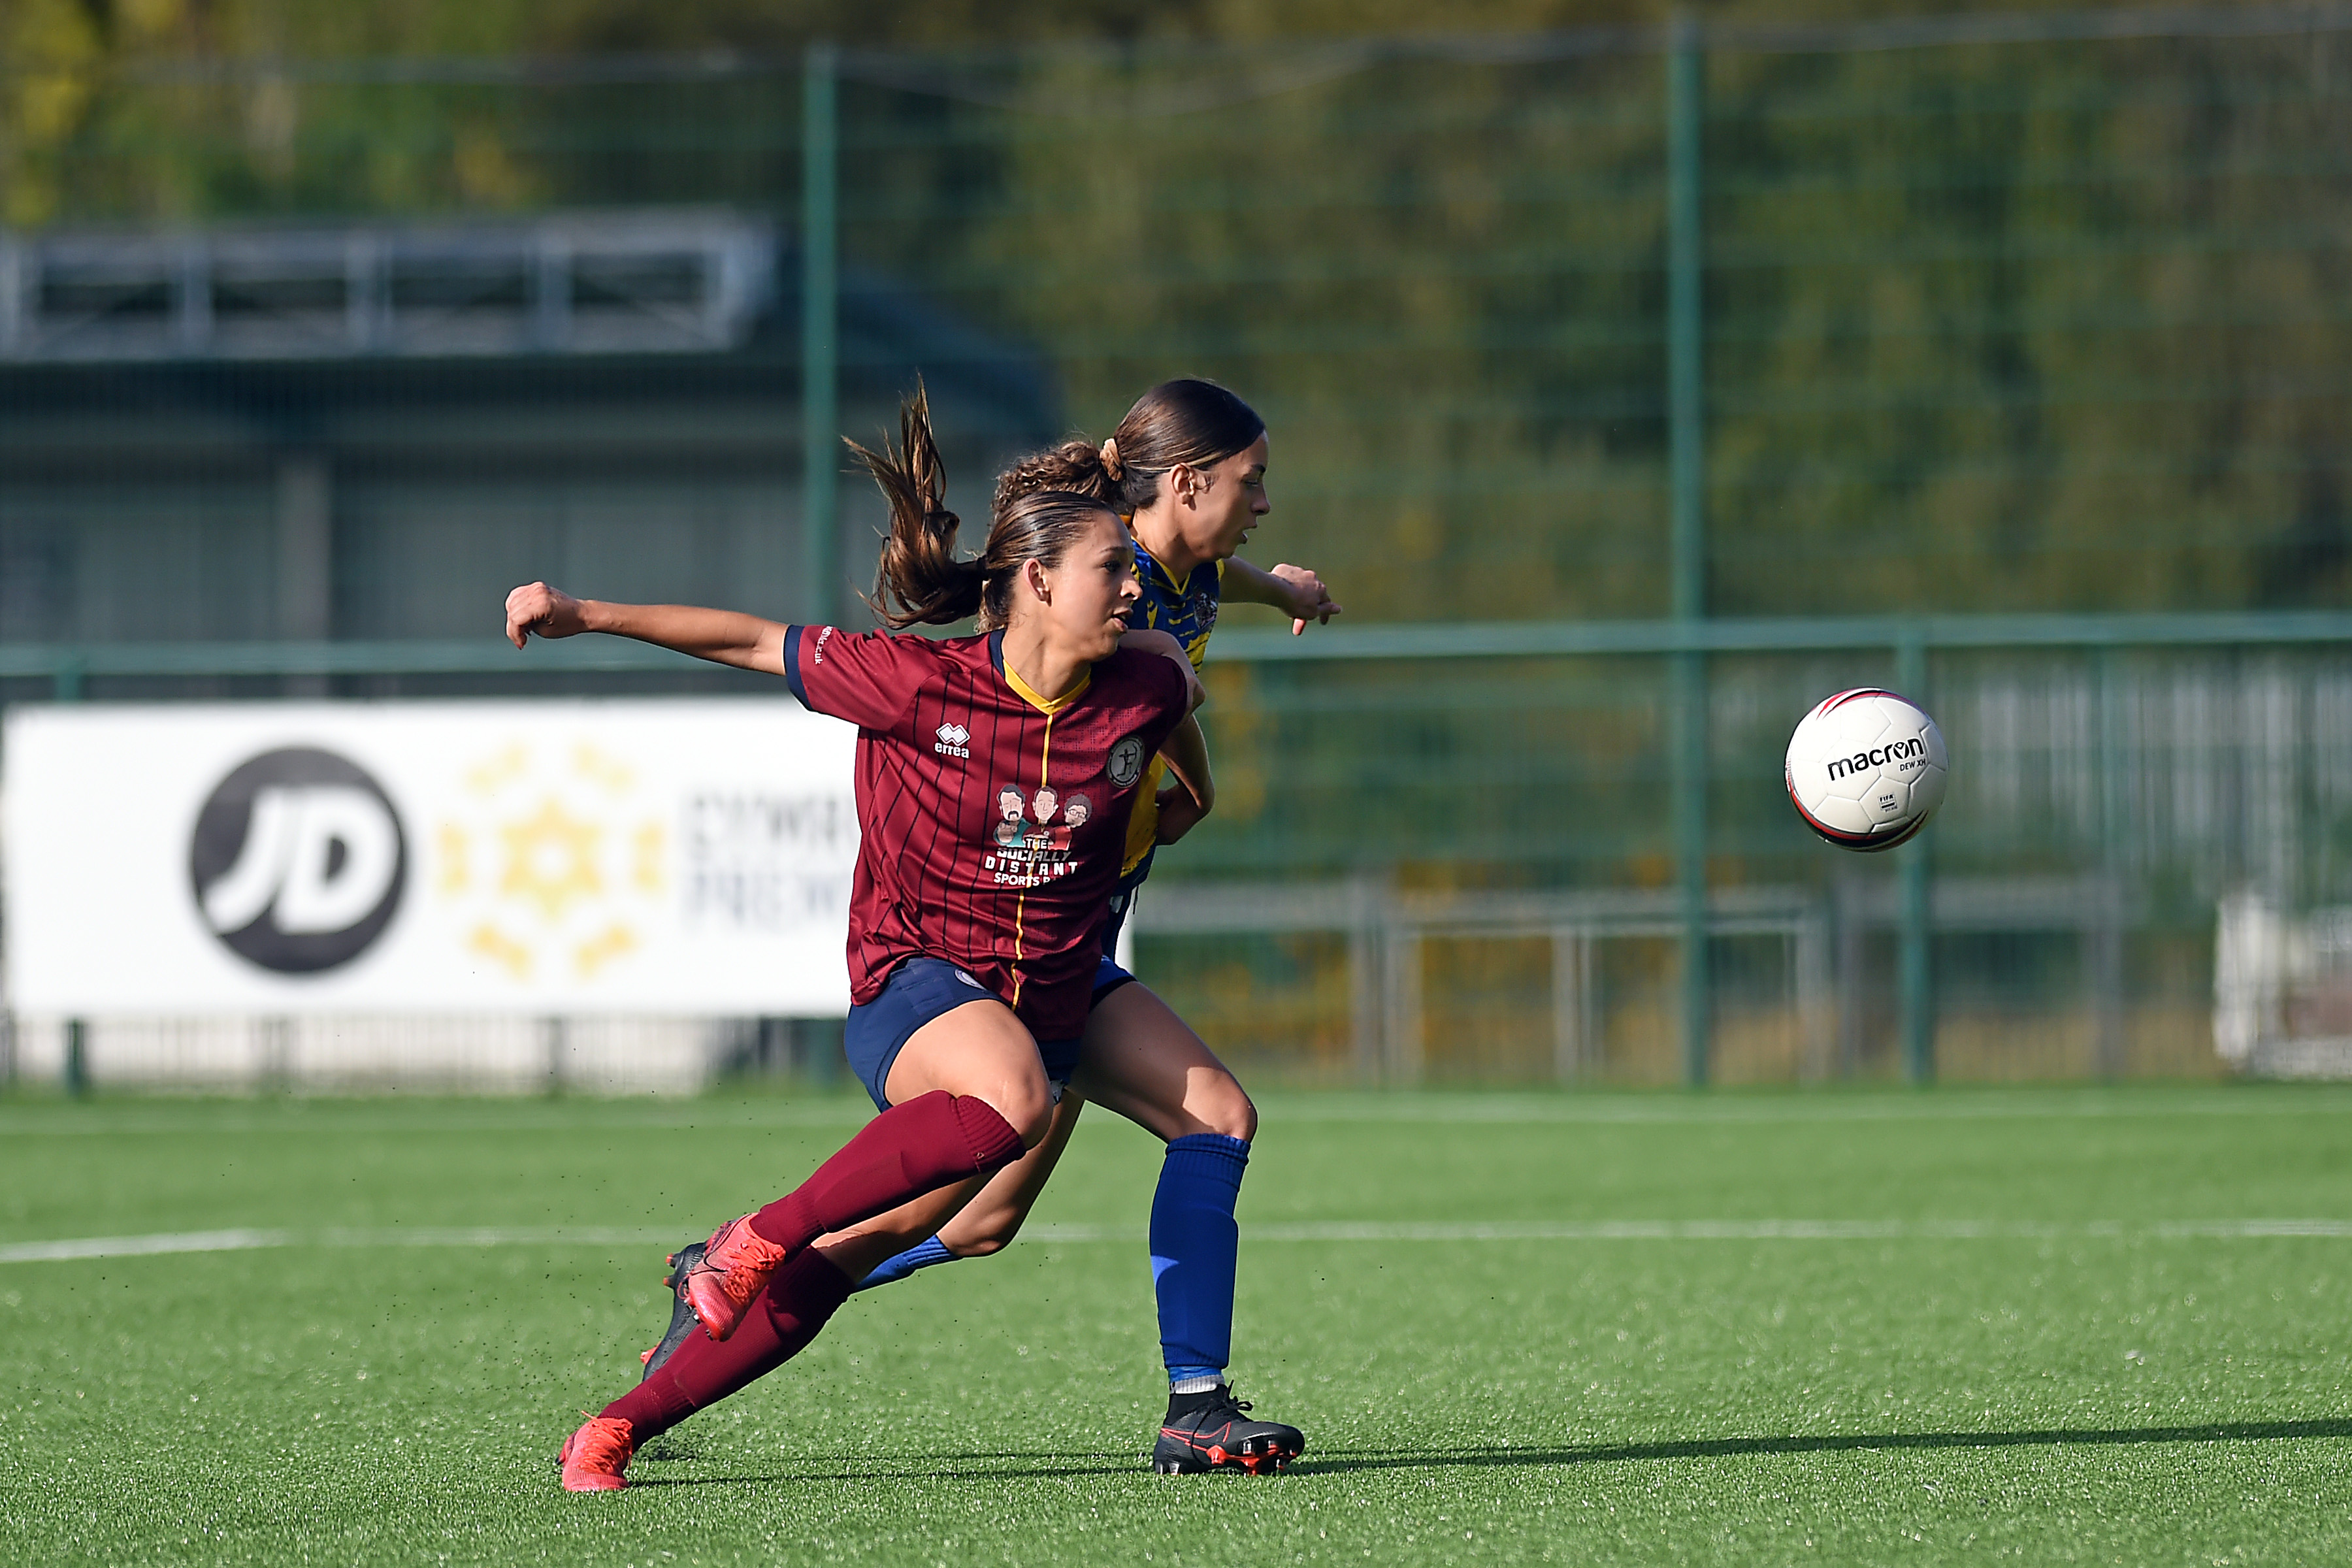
(1918, 975)
(820, 331)
(1404, 1039)
(1573, 1048)
(2108, 937)
(554, 1046)
(1371, 902)
(65, 685)
(1686, 415)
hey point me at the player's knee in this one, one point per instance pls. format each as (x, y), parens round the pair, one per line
(1224, 1107)
(1028, 1109)
(1242, 1123)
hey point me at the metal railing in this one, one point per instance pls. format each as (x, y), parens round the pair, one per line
(1909, 640)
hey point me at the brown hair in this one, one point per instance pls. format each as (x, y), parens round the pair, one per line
(921, 581)
(1187, 420)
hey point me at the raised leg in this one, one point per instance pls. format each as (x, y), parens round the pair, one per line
(968, 1094)
(992, 1218)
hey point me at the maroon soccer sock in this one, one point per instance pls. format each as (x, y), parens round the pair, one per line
(794, 1309)
(905, 1152)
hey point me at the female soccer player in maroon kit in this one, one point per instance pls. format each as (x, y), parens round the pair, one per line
(973, 959)
(1187, 467)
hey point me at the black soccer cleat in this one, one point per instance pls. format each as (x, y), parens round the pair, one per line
(1213, 1432)
(682, 1321)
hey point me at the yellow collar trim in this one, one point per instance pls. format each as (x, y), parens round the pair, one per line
(1049, 706)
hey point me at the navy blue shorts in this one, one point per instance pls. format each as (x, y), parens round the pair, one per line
(921, 989)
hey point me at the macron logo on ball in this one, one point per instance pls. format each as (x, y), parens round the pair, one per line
(1877, 757)
(952, 738)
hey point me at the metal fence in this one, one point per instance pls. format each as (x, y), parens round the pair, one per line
(1632, 388)
(1447, 853)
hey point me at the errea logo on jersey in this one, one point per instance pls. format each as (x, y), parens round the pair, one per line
(952, 738)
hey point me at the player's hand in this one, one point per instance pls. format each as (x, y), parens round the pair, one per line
(1309, 600)
(1178, 813)
(549, 612)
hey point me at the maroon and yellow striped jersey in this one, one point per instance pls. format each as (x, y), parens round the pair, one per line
(991, 816)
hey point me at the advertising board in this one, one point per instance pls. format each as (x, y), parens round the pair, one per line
(542, 857)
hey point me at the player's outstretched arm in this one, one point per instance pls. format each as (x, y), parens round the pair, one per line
(1295, 591)
(722, 636)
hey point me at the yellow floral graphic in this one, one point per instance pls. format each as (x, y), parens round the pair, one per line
(501, 949)
(552, 860)
(551, 866)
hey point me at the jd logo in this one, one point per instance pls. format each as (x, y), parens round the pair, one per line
(297, 861)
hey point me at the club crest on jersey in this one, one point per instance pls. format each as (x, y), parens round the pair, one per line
(1030, 847)
(952, 741)
(1125, 763)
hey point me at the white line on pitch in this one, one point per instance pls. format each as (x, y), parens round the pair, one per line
(73, 1248)
(497, 1236)
(137, 1246)
(83, 1246)
(1736, 1230)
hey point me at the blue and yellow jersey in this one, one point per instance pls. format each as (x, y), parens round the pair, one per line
(1187, 612)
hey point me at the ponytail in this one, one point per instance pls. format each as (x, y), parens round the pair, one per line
(1189, 421)
(919, 581)
(919, 572)
(1074, 467)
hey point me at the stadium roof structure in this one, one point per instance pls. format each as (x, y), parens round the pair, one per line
(215, 434)
(634, 282)
(564, 286)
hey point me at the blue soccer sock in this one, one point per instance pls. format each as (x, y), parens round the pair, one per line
(1195, 1245)
(922, 1254)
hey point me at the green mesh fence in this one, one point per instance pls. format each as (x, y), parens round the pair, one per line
(1995, 316)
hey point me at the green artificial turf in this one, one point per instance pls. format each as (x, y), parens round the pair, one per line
(1887, 1328)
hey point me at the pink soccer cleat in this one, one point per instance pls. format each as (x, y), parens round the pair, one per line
(594, 1457)
(734, 1268)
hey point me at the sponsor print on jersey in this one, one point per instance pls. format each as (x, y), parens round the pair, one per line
(1028, 847)
(952, 740)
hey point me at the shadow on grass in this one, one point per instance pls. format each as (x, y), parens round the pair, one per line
(1013, 1465)
(1739, 1447)
(948, 1467)
(670, 1446)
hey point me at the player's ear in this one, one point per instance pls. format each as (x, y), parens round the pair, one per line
(1184, 483)
(1032, 572)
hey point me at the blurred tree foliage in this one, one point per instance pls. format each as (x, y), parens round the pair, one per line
(1989, 326)
(58, 58)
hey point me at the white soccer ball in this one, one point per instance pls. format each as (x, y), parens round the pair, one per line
(1866, 769)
